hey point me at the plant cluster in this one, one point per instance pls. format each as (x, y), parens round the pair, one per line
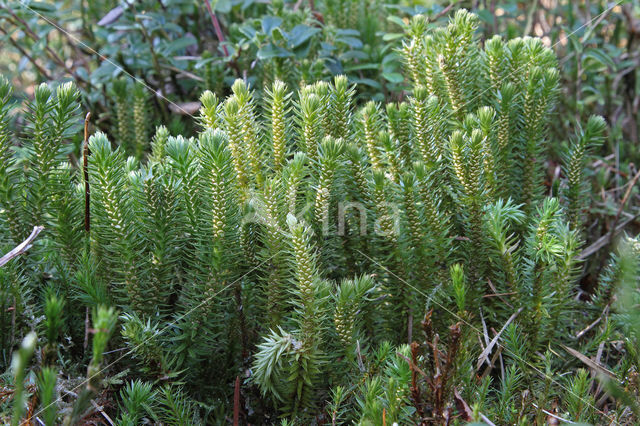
(306, 260)
(178, 48)
(156, 43)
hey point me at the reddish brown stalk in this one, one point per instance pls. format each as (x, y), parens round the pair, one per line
(86, 328)
(462, 406)
(443, 11)
(33, 403)
(216, 27)
(441, 381)
(437, 364)
(410, 326)
(85, 169)
(87, 209)
(452, 350)
(427, 326)
(236, 402)
(415, 389)
(241, 318)
(427, 329)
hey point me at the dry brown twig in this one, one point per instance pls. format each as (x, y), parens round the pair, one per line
(100, 409)
(22, 247)
(24, 53)
(594, 366)
(22, 24)
(606, 239)
(584, 331)
(485, 353)
(625, 198)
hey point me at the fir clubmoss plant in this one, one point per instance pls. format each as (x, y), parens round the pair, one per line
(278, 102)
(310, 123)
(48, 395)
(132, 116)
(19, 367)
(8, 173)
(140, 120)
(123, 114)
(209, 113)
(54, 321)
(304, 258)
(104, 321)
(577, 191)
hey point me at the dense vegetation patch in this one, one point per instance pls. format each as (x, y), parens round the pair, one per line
(306, 259)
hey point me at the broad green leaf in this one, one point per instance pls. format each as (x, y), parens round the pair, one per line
(365, 66)
(278, 35)
(392, 36)
(397, 20)
(599, 55)
(368, 82)
(301, 33)
(271, 51)
(223, 6)
(179, 44)
(269, 23)
(41, 6)
(348, 32)
(352, 42)
(354, 54)
(393, 77)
